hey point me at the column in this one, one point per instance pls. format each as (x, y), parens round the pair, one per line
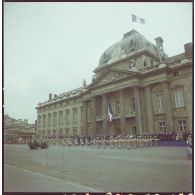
(84, 122)
(187, 95)
(138, 111)
(105, 114)
(93, 130)
(122, 111)
(168, 107)
(149, 110)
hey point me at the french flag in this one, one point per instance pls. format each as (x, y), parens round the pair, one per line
(110, 113)
(137, 19)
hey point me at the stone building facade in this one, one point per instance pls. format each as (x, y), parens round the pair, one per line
(61, 115)
(147, 91)
(17, 129)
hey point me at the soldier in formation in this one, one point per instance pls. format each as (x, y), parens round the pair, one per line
(120, 142)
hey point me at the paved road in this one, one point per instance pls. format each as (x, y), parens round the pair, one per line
(22, 180)
(59, 169)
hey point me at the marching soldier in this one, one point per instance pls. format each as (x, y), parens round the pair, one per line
(106, 142)
(81, 141)
(146, 142)
(126, 142)
(111, 143)
(86, 141)
(114, 142)
(92, 142)
(118, 142)
(156, 141)
(65, 143)
(150, 141)
(97, 142)
(135, 142)
(129, 143)
(75, 141)
(102, 141)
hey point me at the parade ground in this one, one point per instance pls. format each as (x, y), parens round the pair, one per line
(86, 169)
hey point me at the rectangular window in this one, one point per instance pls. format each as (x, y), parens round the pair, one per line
(90, 114)
(43, 134)
(67, 116)
(54, 133)
(67, 132)
(159, 103)
(44, 119)
(74, 131)
(60, 118)
(132, 103)
(182, 125)
(162, 126)
(60, 133)
(99, 107)
(49, 119)
(74, 116)
(54, 118)
(48, 133)
(39, 121)
(179, 100)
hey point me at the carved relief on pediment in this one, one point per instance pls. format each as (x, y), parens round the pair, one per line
(111, 76)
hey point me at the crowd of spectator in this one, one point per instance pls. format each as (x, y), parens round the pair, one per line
(172, 135)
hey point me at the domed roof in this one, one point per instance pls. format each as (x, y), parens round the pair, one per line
(131, 43)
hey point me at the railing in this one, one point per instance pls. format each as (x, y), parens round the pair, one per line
(159, 111)
(99, 117)
(116, 115)
(130, 114)
(153, 67)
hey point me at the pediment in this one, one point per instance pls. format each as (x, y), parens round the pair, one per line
(177, 86)
(110, 76)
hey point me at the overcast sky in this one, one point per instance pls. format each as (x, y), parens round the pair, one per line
(52, 47)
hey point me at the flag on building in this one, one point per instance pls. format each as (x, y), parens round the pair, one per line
(137, 19)
(110, 113)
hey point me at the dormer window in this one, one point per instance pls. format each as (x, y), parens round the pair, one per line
(148, 44)
(152, 62)
(131, 43)
(176, 73)
(145, 63)
(105, 58)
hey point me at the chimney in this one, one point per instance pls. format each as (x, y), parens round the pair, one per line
(188, 49)
(50, 96)
(84, 83)
(159, 45)
(55, 96)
